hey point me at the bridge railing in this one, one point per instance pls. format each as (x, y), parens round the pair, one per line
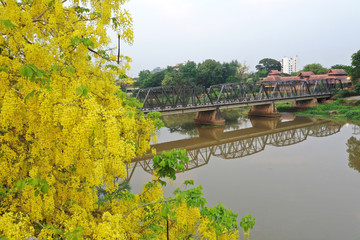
(246, 147)
(171, 97)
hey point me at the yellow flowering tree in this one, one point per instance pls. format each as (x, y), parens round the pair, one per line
(67, 131)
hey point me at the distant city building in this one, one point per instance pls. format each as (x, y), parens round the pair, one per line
(289, 65)
(157, 69)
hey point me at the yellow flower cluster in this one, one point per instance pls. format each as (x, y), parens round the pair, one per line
(65, 131)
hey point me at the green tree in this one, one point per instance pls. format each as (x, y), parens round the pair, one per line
(242, 71)
(67, 130)
(268, 64)
(355, 63)
(154, 81)
(229, 71)
(144, 76)
(316, 68)
(353, 145)
(261, 73)
(189, 73)
(347, 68)
(210, 73)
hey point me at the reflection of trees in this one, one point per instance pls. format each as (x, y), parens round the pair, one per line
(241, 143)
(184, 123)
(234, 117)
(353, 145)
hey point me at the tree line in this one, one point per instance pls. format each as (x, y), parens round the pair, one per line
(207, 73)
(211, 72)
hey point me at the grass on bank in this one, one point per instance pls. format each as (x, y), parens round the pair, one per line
(346, 110)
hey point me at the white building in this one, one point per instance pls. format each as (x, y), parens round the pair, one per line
(289, 65)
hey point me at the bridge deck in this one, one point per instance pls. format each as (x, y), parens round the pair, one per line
(168, 110)
(226, 137)
(181, 99)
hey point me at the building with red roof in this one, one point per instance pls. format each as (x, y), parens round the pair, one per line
(274, 75)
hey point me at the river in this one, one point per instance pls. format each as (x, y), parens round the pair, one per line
(293, 174)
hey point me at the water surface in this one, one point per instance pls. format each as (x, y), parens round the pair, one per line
(291, 174)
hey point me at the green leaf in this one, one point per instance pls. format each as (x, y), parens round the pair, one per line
(163, 183)
(26, 71)
(32, 94)
(48, 88)
(70, 69)
(75, 41)
(88, 43)
(36, 181)
(189, 182)
(37, 193)
(113, 67)
(20, 184)
(45, 188)
(85, 92)
(8, 24)
(35, 70)
(165, 211)
(82, 91)
(4, 69)
(55, 68)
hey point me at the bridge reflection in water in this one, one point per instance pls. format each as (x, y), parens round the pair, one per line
(240, 143)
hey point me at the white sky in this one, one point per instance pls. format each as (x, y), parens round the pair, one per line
(168, 32)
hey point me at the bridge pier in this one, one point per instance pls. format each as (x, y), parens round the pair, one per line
(306, 103)
(266, 110)
(212, 117)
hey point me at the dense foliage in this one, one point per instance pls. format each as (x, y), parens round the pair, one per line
(344, 109)
(353, 145)
(209, 72)
(67, 131)
(268, 64)
(355, 64)
(316, 68)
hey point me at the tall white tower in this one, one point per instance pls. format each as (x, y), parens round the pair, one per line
(289, 65)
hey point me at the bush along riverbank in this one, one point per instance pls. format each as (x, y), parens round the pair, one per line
(340, 109)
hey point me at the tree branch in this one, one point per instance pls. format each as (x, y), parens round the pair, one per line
(38, 17)
(27, 40)
(93, 51)
(99, 96)
(144, 205)
(85, 20)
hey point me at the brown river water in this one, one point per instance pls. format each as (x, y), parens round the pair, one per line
(299, 177)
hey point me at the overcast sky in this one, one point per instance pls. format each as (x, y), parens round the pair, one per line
(168, 32)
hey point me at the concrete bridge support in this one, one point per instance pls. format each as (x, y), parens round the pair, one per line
(306, 103)
(213, 117)
(266, 110)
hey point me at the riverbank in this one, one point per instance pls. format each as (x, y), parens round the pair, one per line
(342, 109)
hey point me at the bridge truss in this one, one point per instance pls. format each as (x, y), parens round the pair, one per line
(182, 97)
(245, 147)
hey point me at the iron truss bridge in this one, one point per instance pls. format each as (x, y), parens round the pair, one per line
(239, 147)
(196, 98)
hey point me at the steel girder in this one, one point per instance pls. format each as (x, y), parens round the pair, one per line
(241, 148)
(245, 147)
(173, 97)
(324, 130)
(288, 138)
